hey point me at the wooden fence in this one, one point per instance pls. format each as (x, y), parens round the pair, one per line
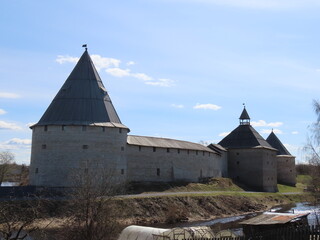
(285, 233)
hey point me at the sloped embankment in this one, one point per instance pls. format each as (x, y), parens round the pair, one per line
(179, 208)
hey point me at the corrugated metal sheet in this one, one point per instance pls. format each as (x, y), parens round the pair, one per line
(82, 100)
(166, 143)
(274, 218)
(274, 141)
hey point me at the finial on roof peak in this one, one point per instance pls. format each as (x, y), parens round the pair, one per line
(244, 117)
(85, 46)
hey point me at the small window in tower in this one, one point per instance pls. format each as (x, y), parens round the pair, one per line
(178, 151)
(203, 153)
(120, 130)
(290, 170)
(84, 128)
(196, 152)
(122, 148)
(287, 160)
(45, 128)
(188, 151)
(268, 179)
(158, 171)
(154, 149)
(85, 146)
(238, 154)
(209, 154)
(122, 171)
(267, 162)
(103, 129)
(43, 146)
(168, 150)
(37, 170)
(62, 127)
(140, 148)
(238, 162)
(86, 170)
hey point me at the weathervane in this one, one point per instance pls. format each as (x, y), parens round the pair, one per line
(85, 46)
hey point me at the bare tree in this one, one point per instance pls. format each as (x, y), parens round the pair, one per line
(92, 211)
(6, 159)
(312, 148)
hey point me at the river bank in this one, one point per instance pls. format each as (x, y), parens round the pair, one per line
(174, 209)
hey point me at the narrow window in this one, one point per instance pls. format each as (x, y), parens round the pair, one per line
(188, 151)
(140, 148)
(178, 151)
(120, 130)
(290, 170)
(209, 154)
(37, 170)
(238, 162)
(122, 148)
(103, 129)
(122, 171)
(85, 146)
(154, 149)
(168, 150)
(267, 162)
(287, 160)
(86, 170)
(44, 146)
(84, 128)
(197, 152)
(62, 127)
(45, 128)
(158, 171)
(238, 154)
(203, 153)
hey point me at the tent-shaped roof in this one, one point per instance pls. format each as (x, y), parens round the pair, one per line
(82, 100)
(274, 141)
(244, 114)
(244, 136)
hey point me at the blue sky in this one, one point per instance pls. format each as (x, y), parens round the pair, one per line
(173, 68)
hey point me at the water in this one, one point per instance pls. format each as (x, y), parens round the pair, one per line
(9, 184)
(232, 223)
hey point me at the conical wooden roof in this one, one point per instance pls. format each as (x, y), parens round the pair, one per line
(274, 141)
(82, 100)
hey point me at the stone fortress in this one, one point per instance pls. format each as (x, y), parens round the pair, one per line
(81, 131)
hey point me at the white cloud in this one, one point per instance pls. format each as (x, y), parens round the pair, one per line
(103, 62)
(8, 125)
(118, 72)
(18, 141)
(295, 132)
(268, 131)
(2, 111)
(141, 76)
(224, 134)
(99, 62)
(262, 123)
(207, 106)
(162, 82)
(130, 63)
(262, 4)
(65, 59)
(30, 124)
(177, 105)
(9, 95)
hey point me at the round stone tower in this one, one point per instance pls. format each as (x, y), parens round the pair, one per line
(80, 132)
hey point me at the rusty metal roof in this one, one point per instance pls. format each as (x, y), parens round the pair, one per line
(82, 100)
(269, 218)
(166, 143)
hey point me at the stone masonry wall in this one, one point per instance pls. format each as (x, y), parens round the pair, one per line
(168, 164)
(60, 152)
(286, 170)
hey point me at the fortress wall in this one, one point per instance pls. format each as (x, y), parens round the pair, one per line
(61, 152)
(163, 165)
(286, 170)
(255, 167)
